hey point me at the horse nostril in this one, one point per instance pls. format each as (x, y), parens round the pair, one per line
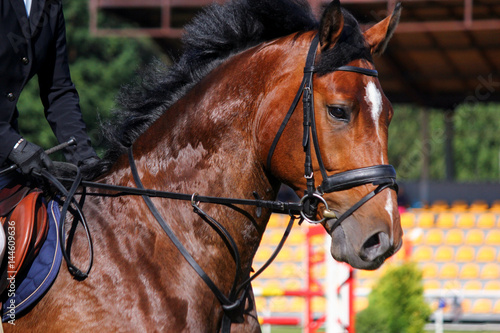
(371, 242)
(375, 246)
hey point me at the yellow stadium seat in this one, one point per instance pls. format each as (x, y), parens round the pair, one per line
(276, 221)
(300, 254)
(422, 253)
(261, 303)
(407, 220)
(293, 284)
(482, 305)
(486, 254)
(425, 220)
(486, 221)
(319, 304)
(473, 285)
(478, 206)
(466, 221)
(319, 271)
(495, 207)
(469, 271)
(430, 270)
(278, 304)
(291, 270)
(286, 254)
(474, 237)
(496, 307)
(297, 305)
(446, 220)
(439, 205)
(434, 237)
(270, 272)
(449, 271)
(432, 284)
(466, 305)
(492, 237)
(296, 237)
(274, 236)
(465, 253)
(459, 206)
(273, 284)
(492, 285)
(490, 271)
(318, 239)
(452, 285)
(454, 237)
(444, 253)
(263, 253)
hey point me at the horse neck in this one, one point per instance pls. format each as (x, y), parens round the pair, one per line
(209, 143)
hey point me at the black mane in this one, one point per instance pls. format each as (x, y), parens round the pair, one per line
(219, 32)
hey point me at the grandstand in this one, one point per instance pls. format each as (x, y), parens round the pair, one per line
(457, 247)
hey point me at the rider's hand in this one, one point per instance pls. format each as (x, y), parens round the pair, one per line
(29, 157)
(88, 167)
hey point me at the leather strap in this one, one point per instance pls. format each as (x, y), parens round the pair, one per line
(360, 70)
(221, 297)
(352, 178)
(308, 72)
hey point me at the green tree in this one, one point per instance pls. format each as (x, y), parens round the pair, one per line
(396, 303)
(477, 142)
(99, 67)
(405, 142)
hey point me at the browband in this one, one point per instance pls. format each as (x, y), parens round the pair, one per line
(360, 70)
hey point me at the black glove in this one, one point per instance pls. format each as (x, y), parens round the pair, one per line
(29, 157)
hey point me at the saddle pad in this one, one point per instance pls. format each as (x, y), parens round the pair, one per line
(31, 287)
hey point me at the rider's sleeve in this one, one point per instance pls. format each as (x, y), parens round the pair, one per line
(60, 98)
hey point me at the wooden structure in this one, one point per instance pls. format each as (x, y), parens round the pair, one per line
(444, 52)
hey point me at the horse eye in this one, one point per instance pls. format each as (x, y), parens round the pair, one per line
(338, 112)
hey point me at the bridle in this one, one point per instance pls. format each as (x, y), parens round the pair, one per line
(382, 176)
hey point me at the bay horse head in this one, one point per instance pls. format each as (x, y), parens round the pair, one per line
(346, 117)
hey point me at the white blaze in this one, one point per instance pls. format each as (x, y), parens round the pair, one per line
(373, 98)
(389, 208)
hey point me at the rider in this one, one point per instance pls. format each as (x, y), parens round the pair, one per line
(33, 41)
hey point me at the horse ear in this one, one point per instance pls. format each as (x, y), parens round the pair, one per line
(379, 35)
(331, 25)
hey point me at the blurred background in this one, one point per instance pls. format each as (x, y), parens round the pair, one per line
(441, 71)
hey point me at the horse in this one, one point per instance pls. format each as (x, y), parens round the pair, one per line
(207, 125)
